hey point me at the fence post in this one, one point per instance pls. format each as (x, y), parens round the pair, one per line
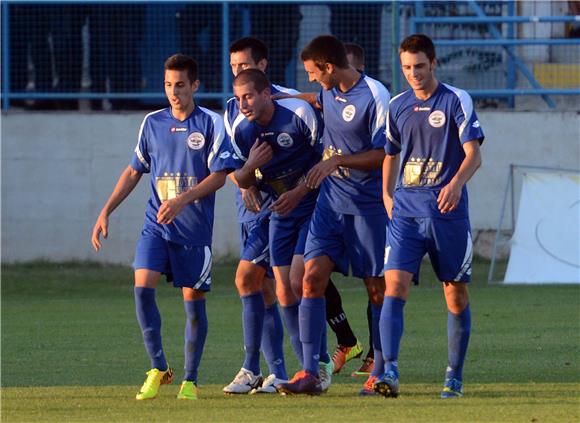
(5, 55)
(395, 46)
(511, 68)
(225, 52)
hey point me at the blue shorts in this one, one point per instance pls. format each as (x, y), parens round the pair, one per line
(287, 237)
(254, 243)
(184, 265)
(348, 239)
(447, 241)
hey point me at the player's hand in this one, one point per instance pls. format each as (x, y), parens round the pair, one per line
(288, 201)
(322, 169)
(252, 199)
(260, 154)
(388, 202)
(449, 197)
(101, 227)
(169, 210)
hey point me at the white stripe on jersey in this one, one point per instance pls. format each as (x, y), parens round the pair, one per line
(286, 90)
(239, 118)
(381, 96)
(389, 136)
(218, 133)
(466, 106)
(137, 151)
(227, 119)
(306, 114)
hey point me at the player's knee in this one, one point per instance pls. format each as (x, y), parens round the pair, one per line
(375, 289)
(246, 283)
(313, 285)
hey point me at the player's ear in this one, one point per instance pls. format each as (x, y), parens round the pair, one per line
(433, 63)
(329, 67)
(195, 85)
(262, 65)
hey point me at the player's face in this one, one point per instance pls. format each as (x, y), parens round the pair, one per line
(179, 89)
(252, 103)
(418, 70)
(322, 76)
(241, 60)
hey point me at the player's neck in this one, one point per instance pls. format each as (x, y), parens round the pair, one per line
(266, 117)
(182, 114)
(428, 91)
(348, 78)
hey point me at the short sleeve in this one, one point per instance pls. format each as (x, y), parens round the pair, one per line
(466, 119)
(393, 141)
(141, 161)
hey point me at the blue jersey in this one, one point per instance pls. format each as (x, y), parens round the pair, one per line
(293, 135)
(179, 155)
(233, 118)
(354, 122)
(429, 134)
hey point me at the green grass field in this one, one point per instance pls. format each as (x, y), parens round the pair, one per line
(72, 351)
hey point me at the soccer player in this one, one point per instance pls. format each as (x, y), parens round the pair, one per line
(261, 321)
(253, 216)
(356, 58)
(434, 130)
(177, 145)
(281, 141)
(349, 222)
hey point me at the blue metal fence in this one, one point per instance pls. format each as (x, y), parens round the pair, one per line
(111, 52)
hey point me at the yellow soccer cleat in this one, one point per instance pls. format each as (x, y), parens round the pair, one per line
(188, 391)
(343, 355)
(155, 378)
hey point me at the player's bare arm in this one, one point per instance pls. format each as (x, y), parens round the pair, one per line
(251, 196)
(290, 199)
(126, 183)
(260, 154)
(390, 172)
(310, 98)
(367, 160)
(450, 195)
(171, 208)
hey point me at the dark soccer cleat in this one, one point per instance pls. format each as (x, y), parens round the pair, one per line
(387, 385)
(366, 368)
(302, 383)
(452, 388)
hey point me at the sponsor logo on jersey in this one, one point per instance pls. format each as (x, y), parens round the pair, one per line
(284, 140)
(348, 113)
(225, 155)
(437, 119)
(196, 141)
(177, 129)
(341, 99)
(421, 109)
(476, 124)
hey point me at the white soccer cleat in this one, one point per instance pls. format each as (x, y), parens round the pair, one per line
(325, 371)
(244, 382)
(269, 385)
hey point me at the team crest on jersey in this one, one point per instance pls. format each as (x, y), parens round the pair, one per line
(348, 112)
(284, 140)
(196, 141)
(437, 119)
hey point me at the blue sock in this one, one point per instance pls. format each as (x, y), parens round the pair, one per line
(253, 309)
(391, 331)
(273, 342)
(195, 334)
(324, 356)
(458, 330)
(290, 314)
(312, 323)
(376, 337)
(150, 322)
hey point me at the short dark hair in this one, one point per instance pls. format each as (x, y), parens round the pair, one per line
(258, 50)
(357, 53)
(259, 78)
(418, 43)
(325, 49)
(182, 62)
